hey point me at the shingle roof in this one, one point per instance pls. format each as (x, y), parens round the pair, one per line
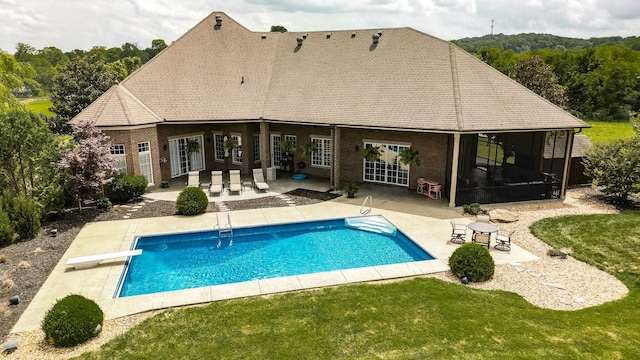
(117, 107)
(409, 80)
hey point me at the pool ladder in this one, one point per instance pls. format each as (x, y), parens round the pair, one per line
(365, 210)
(227, 231)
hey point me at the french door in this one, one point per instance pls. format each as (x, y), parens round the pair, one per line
(276, 151)
(181, 162)
(387, 169)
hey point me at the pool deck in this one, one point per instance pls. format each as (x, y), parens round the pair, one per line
(99, 283)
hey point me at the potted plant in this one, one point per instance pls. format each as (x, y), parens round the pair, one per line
(352, 189)
(192, 146)
(371, 153)
(410, 157)
(309, 148)
(286, 146)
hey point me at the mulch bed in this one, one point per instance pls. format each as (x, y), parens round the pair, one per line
(311, 194)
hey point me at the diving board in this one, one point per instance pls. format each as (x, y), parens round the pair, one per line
(85, 262)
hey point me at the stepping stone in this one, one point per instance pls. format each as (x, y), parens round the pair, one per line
(132, 210)
(137, 207)
(126, 216)
(535, 274)
(557, 286)
(580, 299)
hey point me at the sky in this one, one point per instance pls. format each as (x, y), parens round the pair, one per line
(82, 24)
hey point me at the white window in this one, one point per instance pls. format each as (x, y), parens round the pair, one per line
(117, 151)
(218, 146)
(387, 169)
(293, 140)
(322, 157)
(181, 162)
(237, 152)
(144, 155)
(256, 147)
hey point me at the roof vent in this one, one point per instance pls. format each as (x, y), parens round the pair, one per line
(379, 33)
(353, 35)
(300, 40)
(305, 36)
(375, 39)
(218, 22)
(264, 36)
(328, 35)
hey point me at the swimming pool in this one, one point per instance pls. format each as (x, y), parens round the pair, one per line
(204, 258)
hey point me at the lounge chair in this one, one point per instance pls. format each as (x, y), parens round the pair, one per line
(235, 184)
(458, 233)
(216, 183)
(194, 179)
(482, 239)
(503, 241)
(258, 180)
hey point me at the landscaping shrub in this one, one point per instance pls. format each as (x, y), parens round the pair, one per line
(472, 261)
(25, 217)
(192, 201)
(473, 209)
(126, 187)
(6, 230)
(72, 320)
(103, 203)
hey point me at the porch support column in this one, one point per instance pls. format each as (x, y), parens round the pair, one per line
(335, 166)
(567, 163)
(265, 154)
(454, 170)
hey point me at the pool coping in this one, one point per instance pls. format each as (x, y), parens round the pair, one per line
(100, 283)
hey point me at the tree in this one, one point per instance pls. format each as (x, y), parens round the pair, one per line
(78, 84)
(157, 45)
(615, 167)
(122, 68)
(538, 77)
(28, 156)
(12, 76)
(88, 165)
(278, 28)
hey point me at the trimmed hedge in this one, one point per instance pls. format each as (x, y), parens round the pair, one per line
(72, 320)
(472, 261)
(192, 201)
(127, 187)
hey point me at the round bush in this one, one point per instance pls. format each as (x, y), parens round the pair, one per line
(72, 320)
(472, 261)
(192, 201)
(126, 187)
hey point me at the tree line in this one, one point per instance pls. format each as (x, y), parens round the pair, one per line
(594, 82)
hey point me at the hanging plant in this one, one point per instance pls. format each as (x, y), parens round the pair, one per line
(192, 146)
(230, 144)
(309, 148)
(410, 157)
(286, 146)
(371, 153)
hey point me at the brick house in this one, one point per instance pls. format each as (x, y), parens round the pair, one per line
(479, 133)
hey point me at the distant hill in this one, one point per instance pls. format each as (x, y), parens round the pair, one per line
(528, 42)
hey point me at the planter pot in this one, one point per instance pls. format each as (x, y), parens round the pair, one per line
(351, 194)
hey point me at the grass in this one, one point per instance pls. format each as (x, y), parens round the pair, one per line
(41, 107)
(412, 319)
(604, 131)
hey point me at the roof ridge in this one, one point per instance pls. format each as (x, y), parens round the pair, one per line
(107, 94)
(123, 105)
(456, 86)
(131, 96)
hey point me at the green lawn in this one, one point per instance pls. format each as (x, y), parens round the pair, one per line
(604, 131)
(413, 319)
(41, 107)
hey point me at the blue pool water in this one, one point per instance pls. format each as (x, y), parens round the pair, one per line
(196, 259)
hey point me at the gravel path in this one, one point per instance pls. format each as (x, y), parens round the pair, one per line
(551, 282)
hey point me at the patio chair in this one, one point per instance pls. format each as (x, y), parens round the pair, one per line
(194, 179)
(216, 183)
(483, 218)
(258, 180)
(482, 239)
(503, 241)
(458, 233)
(235, 184)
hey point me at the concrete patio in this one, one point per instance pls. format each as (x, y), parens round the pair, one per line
(100, 283)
